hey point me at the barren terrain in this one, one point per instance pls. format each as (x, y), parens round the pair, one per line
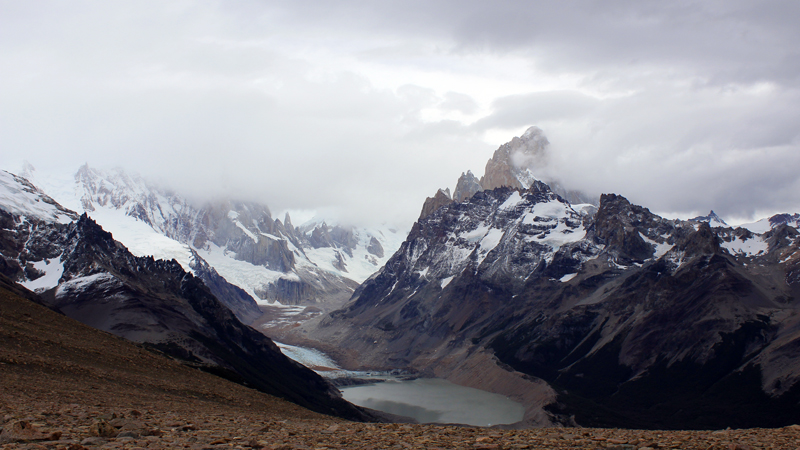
(64, 385)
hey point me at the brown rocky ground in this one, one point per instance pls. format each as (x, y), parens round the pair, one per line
(66, 386)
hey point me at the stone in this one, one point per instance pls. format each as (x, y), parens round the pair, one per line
(24, 431)
(101, 428)
(128, 434)
(93, 441)
(74, 446)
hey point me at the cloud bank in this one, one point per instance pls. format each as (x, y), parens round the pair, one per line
(363, 110)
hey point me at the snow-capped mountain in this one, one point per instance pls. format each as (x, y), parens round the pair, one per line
(612, 317)
(19, 197)
(269, 259)
(78, 269)
(712, 219)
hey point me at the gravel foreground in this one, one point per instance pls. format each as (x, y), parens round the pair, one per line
(67, 386)
(207, 426)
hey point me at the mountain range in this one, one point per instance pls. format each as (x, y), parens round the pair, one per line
(590, 311)
(271, 260)
(78, 269)
(598, 316)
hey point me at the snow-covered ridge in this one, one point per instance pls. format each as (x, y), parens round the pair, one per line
(240, 240)
(490, 230)
(19, 197)
(766, 224)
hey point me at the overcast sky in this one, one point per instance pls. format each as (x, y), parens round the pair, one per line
(363, 108)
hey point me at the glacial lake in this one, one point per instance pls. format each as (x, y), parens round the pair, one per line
(433, 400)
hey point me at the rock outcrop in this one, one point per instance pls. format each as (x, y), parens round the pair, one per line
(517, 164)
(467, 186)
(441, 198)
(511, 164)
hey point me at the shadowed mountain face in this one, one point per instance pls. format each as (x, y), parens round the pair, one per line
(155, 302)
(46, 356)
(634, 320)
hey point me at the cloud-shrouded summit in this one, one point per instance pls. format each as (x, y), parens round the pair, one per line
(361, 111)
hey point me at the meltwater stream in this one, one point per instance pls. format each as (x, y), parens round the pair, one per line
(433, 400)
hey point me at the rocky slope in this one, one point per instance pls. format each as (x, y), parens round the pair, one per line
(81, 271)
(68, 386)
(617, 318)
(269, 259)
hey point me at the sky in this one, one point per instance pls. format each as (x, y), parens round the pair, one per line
(358, 110)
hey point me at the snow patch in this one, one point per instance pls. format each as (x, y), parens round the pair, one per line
(140, 238)
(759, 227)
(79, 284)
(475, 235)
(445, 281)
(52, 268)
(567, 277)
(488, 243)
(512, 201)
(660, 249)
(750, 247)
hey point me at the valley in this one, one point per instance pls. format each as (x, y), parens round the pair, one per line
(64, 380)
(560, 309)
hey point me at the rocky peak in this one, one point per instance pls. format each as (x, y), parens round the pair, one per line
(788, 219)
(512, 162)
(467, 186)
(702, 242)
(712, 219)
(431, 204)
(623, 228)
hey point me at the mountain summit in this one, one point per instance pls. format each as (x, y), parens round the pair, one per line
(517, 164)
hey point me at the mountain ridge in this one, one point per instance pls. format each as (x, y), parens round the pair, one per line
(81, 271)
(269, 259)
(562, 297)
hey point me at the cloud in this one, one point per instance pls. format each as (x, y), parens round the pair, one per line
(522, 110)
(456, 101)
(367, 108)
